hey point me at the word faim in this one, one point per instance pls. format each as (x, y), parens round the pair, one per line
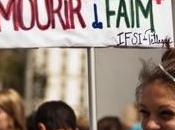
(129, 13)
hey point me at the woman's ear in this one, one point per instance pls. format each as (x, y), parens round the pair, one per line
(41, 126)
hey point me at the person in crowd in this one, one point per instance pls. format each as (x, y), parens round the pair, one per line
(30, 121)
(130, 117)
(155, 96)
(55, 115)
(110, 123)
(12, 111)
(168, 54)
(82, 123)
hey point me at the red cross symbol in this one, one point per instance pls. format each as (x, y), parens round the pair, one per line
(158, 1)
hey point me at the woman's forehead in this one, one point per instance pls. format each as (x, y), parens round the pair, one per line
(157, 94)
(159, 87)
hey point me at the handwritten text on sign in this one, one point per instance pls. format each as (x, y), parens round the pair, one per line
(54, 23)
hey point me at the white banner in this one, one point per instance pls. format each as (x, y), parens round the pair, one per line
(85, 23)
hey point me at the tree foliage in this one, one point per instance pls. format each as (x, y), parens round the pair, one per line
(12, 68)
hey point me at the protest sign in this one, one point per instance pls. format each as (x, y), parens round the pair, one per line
(85, 23)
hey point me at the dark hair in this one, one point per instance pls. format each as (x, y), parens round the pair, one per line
(164, 73)
(31, 121)
(56, 115)
(110, 123)
(168, 54)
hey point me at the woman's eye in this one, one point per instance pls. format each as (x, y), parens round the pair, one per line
(167, 114)
(144, 113)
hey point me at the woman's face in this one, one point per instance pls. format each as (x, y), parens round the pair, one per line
(5, 120)
(157, 107)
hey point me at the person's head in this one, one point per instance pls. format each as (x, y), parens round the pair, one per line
(55, 115)
(31, 121)
(12, 114)
(155, 97)
(168, 55)
(110, 123)
(82, 123)
(129, 115)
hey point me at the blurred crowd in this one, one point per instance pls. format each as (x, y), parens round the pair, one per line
(56, 115)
